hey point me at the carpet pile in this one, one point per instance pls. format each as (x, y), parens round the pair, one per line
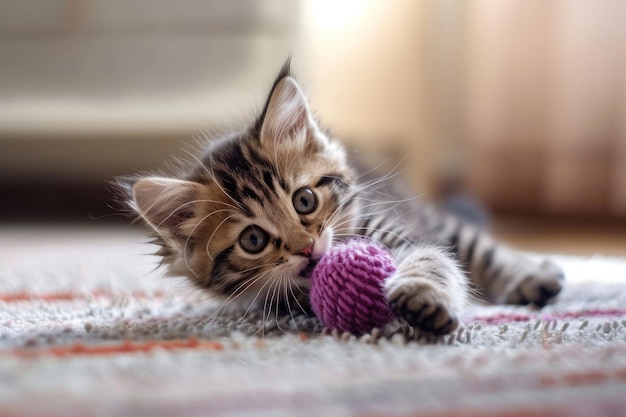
(88, 327)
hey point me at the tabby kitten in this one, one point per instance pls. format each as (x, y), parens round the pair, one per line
(261, 206)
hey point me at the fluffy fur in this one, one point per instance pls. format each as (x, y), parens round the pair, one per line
(258, 208)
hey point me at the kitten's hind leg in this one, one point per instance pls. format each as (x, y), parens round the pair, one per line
(503, 275)
(522, 280)
(428, 290)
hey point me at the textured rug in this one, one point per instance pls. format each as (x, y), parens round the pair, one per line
(89, 328)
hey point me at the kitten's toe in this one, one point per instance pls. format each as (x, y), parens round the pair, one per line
(539, 287)
(422, 307)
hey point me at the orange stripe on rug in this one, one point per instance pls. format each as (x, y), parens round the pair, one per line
(71, 296)
(126, 346)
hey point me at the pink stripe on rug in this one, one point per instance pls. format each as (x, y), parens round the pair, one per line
(504, 318)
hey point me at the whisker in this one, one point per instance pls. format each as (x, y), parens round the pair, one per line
(367, 215)
(356, 190)
(382, 231)
(375, 168)
(244, 286)
(254, 279)
(177, 209)
(291, 283)
(258, 266)
(264, 321)
(191, 234)
(242, 289)
(281, 290)
(353, 218)
(277, 293)
(253, 302)
(213, 235)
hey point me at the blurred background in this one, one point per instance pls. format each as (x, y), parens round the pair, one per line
(521, 105)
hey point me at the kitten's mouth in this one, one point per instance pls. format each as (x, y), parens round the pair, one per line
(308, 269)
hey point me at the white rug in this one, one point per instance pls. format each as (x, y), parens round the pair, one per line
(87, 327)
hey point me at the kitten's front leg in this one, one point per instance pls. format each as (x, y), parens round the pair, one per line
(428, 290)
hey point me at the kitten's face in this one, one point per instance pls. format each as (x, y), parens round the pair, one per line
(259, 208)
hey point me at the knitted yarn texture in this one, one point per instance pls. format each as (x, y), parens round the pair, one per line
(346, 286)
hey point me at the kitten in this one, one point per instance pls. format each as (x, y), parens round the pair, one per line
(250, 219)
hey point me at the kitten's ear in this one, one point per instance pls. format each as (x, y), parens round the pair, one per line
(286, 112)
(165, 203)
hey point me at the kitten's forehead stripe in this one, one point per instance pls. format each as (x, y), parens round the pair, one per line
(263, 162)
(245, 174)
(233, 158)
(227, 181)
(259, 159)
(248, 192)
(269, 180)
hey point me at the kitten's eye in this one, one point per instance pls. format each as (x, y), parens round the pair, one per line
(304, 201)
(253, 239)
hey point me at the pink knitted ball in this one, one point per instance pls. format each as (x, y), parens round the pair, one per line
(347, 286)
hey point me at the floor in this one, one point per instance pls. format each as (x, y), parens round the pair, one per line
(563, 237)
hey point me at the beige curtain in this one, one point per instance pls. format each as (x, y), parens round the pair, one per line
(544, 103)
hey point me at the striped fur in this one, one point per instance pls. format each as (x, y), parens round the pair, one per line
(259, 207)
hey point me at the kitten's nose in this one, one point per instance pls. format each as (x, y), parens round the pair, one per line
(307, 251)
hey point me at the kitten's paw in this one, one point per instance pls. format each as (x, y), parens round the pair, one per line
(538, 287)
(422, 306)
